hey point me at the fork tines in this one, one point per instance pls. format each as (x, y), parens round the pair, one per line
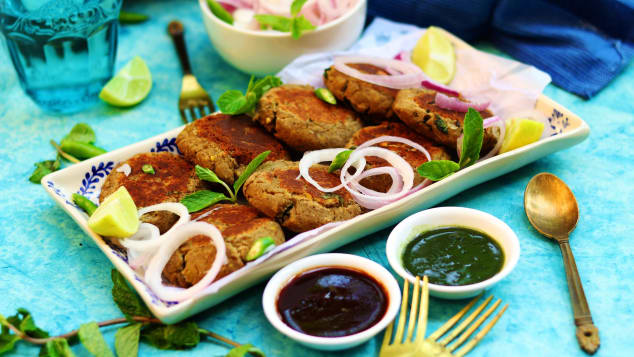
(434, 345)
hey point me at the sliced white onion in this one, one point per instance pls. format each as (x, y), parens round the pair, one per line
(500, 124)
(456, 104)
(397, 181)
(439, 87)
(490, 121)
(410, 77)
(402, 166)
(396, 139)
(177, 208)
(142, 245)
(169, 244)
(125, 169)
(314, 157)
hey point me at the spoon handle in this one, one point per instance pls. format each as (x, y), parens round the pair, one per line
(587, 333)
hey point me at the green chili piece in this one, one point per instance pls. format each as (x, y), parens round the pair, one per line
(325, 95)
(148, 169)
(260, 247)
(81, 150)
(126, 17)
(87, 205)
(220, 11)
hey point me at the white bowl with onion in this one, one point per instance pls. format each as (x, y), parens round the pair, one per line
(261, 53)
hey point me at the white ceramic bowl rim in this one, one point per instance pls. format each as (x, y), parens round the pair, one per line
(394, 248)
(285, 275)
(207, 12)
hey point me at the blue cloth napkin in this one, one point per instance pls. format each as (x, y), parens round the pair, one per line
(583, 45)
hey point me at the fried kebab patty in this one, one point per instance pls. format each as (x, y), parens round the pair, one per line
(240, 226)
(417, 109)
(295, 115)
(226, 144)
(371, 100)
(414, 157)
(298, 206)
(173, 179)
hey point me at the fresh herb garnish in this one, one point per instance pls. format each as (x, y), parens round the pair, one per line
(325, 95)
(220, 11)
(339, 160)
(296, 24)
(471, 145)
(84, 203)
(205, 198)
(234, 102)
(76, 145)
(148, 169)
(140, 325)
(44, 168)
(128, 18)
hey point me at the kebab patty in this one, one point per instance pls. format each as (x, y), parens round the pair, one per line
(413, 156)
(226, 144)
(297, 205)
(173, 179)
(370, 100)
(295, 115)
(240, 226)
(417, 109)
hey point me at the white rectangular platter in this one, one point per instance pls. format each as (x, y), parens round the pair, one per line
(87, 177)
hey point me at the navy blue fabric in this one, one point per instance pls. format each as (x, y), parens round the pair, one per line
(582, 44)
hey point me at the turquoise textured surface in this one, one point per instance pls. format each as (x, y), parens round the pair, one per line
(48, 265)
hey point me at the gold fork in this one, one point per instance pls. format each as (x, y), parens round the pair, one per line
(420, 346)
(194, 101)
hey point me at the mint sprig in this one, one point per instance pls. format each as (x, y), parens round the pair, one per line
(296, 24)
(205, 198)
(473, 131)
(186, 334)
(233, 102)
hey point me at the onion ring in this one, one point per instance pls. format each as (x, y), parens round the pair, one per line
(177, 208)
(411, 76)
(397, 181)
(396, 139)
(439, 88)
(314, 157)
(500, 124)
(453, 103)
(170, 244)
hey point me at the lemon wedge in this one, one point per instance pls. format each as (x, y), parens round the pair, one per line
(117, 216)
(520, 132)
(129, 86)
(434, 54)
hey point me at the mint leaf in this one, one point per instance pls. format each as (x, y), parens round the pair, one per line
(251, 167)
(437, 169)
(93, 341)
(296, 7)
(276, 22)
(125, 298)
(232, 102)
(202, 199)
(126, 340)
(220, 11)
(263, 85)
(472, 141)
(170, 337)
(58, 348)
(206, 174)
(242, 350)
(7, 342)
(339, 160)
(82, 133)
(24, 322)
(300, 25)
(44, 168)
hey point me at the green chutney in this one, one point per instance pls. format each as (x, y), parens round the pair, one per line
(453, 256)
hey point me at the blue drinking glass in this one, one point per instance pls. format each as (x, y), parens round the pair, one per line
(63, 51)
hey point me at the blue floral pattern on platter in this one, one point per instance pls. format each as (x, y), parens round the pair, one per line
(92, 178)
(167, 145)
(558, 122)
(155, 299)
(60, 193)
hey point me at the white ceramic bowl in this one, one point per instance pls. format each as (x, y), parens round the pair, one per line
(261, 53)
(284, 276)
(422, 221)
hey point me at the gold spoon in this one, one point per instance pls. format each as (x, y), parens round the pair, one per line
(552, 209)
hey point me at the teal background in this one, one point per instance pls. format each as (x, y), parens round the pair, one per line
(48, 265)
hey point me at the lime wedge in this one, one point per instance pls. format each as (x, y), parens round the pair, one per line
(116, 216)
(130, 86)
(520, 132)
(434, 54)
